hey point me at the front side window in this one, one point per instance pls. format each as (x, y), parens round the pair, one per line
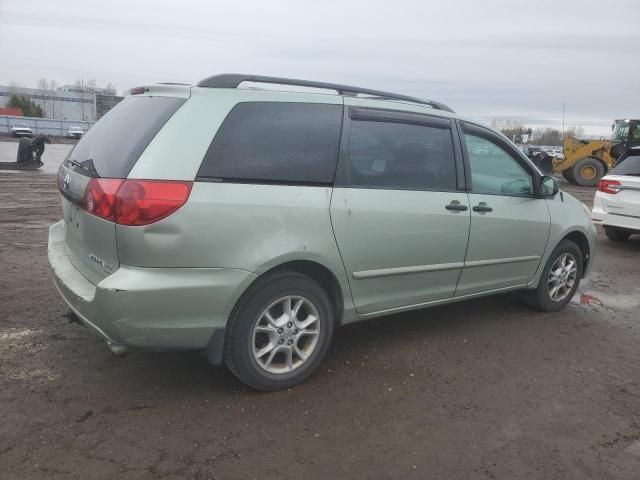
(493, 170)
(400, 155)
(276, 142)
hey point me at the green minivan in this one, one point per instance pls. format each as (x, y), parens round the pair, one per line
(249, 216)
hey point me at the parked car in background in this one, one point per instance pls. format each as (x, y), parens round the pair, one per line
(21, 130)
(616, 205)
(283, 215)
(532, 152)
(557, 153)
(75, 132)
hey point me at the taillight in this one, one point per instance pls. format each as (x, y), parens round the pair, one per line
(100, 197)
(141, 202)
(134, 202)
(609, 186)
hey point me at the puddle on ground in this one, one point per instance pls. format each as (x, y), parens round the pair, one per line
(620, 301)
(14, 333)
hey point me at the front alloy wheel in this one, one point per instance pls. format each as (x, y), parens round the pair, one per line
(562, 277)
(559, 279)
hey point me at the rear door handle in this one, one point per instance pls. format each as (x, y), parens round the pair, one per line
(482, 207)
(455, 205)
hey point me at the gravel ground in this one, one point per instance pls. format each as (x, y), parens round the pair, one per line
(479, 390)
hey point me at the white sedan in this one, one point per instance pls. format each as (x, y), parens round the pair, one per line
(616, 205)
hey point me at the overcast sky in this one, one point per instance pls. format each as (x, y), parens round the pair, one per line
(484, 58)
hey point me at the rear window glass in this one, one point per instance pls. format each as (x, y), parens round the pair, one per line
(276, 142)
(628, 166)
(112, 146)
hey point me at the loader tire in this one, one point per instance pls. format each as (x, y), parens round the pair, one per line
(567, 173)
(588, 171)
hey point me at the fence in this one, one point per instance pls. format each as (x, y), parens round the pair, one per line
(42, 126)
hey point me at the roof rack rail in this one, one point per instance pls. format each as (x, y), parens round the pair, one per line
(233, 80)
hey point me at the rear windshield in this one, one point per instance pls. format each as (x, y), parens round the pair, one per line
(628, 166)
(112, 146)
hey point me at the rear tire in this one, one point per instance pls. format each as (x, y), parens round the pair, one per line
(273, 317)
(544, 298)
(616, 234)
(588, 171)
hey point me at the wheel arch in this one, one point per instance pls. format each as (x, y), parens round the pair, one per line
(322, 275)
(312, 269)
(315, 270)
(580, 239)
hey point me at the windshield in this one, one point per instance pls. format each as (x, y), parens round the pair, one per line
(620, 132)
(21, 125)
(112, 146)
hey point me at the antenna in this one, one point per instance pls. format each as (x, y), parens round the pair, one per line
(565, 156)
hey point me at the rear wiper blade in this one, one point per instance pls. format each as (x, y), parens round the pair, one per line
(87, 166)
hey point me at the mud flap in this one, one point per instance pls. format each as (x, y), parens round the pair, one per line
(215, 348)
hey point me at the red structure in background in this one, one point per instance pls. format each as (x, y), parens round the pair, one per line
(16, 112)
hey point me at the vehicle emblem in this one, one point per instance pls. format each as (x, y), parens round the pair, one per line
(66, 181)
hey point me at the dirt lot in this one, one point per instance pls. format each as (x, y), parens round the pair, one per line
(486, 389)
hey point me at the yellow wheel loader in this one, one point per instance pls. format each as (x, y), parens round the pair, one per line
(587, 161)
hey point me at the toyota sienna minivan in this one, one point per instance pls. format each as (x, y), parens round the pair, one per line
(249, 222)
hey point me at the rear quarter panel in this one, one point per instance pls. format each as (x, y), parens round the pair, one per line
(240, 226)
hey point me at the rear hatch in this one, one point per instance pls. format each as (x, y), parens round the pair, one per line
(108, 150)
(622, 188)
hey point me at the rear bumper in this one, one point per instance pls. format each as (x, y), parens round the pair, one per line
(148, 308)
(600, 217)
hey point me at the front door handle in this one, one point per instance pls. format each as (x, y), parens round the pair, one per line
(482, 207)
(456, 206)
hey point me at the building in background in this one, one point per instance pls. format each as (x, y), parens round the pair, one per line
(67, 102)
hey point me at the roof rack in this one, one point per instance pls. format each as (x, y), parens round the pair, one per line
(233, 80)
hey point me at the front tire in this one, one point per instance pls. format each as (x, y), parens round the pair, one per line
(279, 331)
(616, 234)
(559, 279)
(588, 171)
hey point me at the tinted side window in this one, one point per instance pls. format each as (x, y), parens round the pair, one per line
(400, 155)
(493, 170)
(281, 142)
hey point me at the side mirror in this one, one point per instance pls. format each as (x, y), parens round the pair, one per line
(548, 186)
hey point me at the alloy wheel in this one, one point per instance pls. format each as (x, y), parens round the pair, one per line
(286, 334)
(562, 277)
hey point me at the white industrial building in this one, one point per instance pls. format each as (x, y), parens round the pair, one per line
(67, 102)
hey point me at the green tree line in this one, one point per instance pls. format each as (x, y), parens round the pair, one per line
(28, 107)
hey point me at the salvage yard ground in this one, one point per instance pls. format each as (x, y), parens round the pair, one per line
(483, 389)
